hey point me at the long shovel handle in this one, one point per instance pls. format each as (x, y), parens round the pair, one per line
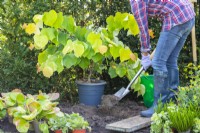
(136, 76)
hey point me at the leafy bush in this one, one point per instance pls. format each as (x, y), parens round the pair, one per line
(190, 92)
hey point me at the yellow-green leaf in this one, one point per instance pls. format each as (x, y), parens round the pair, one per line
(133, 27)
(59, 64)
(47, 71)
(42, 57)
(59, 20)
(50, 18)
(21, 125)
(96, 45)
(103, 49)
(78, 49)
(69, 24)
(84, 63)
(68, 47)
(37, 18)
(69, 60)
(124, 54)
(93, 37)
(114, 50)
(51, 63)
(121, 71)
(31, 28)
(2, 105)
(40, 41)
(49, 32)
(20, 98)
(112, 72)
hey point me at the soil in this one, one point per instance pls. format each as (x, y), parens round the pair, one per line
(98, 117)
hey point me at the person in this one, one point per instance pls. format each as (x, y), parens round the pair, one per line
(178, 18)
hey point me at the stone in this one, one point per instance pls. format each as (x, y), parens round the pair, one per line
(130, 124)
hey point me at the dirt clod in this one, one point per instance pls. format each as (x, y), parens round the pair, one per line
(108, 101)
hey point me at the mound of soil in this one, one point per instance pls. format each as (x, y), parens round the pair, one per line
(98, 117)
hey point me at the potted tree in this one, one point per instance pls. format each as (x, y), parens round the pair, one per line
(63, 44)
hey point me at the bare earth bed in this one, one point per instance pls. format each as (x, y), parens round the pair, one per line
(97, 117)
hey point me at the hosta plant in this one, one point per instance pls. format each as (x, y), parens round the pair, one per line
(64, 45)
(31, 108)
(13, 98)
(2, 109)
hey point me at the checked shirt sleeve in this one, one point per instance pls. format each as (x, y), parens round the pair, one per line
(139, 9)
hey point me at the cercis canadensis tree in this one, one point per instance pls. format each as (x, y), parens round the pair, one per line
(65, 45)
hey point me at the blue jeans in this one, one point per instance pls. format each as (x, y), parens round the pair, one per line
(165, 59)
(169, 46)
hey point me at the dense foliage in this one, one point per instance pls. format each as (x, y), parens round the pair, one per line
(18, 62)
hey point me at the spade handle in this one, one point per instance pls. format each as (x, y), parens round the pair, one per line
(138, 74)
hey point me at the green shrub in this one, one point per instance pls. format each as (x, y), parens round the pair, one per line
(190, 92)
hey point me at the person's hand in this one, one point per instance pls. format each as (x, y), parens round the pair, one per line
(146, 61)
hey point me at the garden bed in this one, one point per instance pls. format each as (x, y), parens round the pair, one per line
(97, 117)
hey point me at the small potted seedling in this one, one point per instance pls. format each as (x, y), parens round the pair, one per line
(59, 124)
(78, 124)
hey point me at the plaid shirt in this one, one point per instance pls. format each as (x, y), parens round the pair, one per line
(171, 12)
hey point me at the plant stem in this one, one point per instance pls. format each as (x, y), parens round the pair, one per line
(90, 71)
